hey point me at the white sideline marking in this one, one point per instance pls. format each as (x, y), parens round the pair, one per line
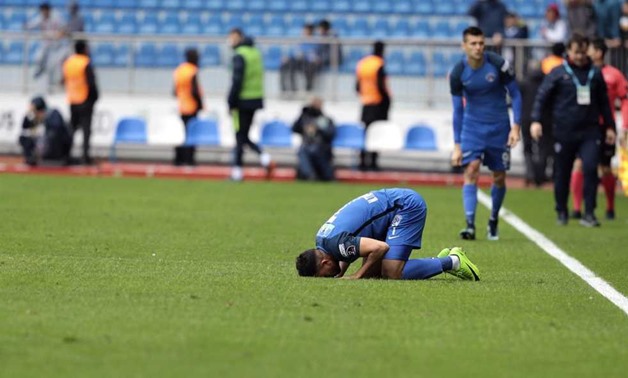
(601, 286)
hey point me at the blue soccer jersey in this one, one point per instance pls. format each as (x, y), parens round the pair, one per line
(396, 216)
(484, 122)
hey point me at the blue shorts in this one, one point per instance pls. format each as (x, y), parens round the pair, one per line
(495, 158)
(405, 232)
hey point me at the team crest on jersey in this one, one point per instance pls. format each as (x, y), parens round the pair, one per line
(396, 220)
(346, 251)
(490, 77)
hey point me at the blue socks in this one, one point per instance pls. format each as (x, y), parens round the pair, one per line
(421, 269)
(470, 202)
(497, 194)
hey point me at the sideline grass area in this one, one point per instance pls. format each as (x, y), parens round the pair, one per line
(124, 277)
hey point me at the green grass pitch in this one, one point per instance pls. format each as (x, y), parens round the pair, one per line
(149, 278)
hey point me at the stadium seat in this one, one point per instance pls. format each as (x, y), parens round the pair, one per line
(341, 6)
(192, 25)
(106, 23)
(401, 29)
(442, 30)
(360, 28)
(272, 58)
(256, 6)
(424, 8)
(235, 20)
(148, 24)
(421, 29)
(146, 56)
(278, 6)
(321, 6)
(210, 56)
(351, 60)
(169, 56)
(128, 130)
(122, 58)
(275, 27)
(440, 64)
(382, 7)
(196, 5)
(148, 4)
(276, 134)
(349, 135)
(170, 24)
(299, 6)
(103, 55)
(381, 29)
(16, 21)
(235, 5)
(416, 65)
(361, 6)
(402, 7)
(171, 5)
(213, 26)
(420, 137)
(14, 53)
(127, 24)
(383, 136)
(202, 132)
(395, 63)
(444, 8)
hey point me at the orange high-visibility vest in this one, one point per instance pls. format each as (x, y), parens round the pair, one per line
(549, 63)
(183, 88)
(75, 79)
(366, 72)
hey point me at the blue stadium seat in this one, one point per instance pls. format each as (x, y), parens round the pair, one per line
(202, 132)
(255, 25)
(88, 18)
(360, 28)
(235, 20)
(275, 27)
(421, 29)
(106, 23)
(421, 137)
(445, 8)
(403, 7)
(278, 6)
(351, 60)
(440, 64)
(295, 26)
(381, 29)
(129, 130)
(361, 6)
(416, 65)
(321, 6)
(424, 7)
(210, 56)
(103, 55)
(13, 3)
(121, 57)
(459, 28)
(146, 56)
(256, 6)
(349, 135)
(341, 26)
(16, 21)
(14, 53)
(2, 53)
(395, 63)
(169, 56)
(401, 29)
(195, 5)
(341, 6)
(442, 30)
(127, 24)
(170, 24)
(272, 58)
(299, 6)
(213, 26)
(149, 25)
(382, 7)
(235, 5)
(108, 3)
(276, 134)
(192, 24)
(148, 4)
(171, 5)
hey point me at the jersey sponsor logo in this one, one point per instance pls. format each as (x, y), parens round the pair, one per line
(348, 251)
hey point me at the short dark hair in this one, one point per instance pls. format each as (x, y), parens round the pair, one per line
(558, 49)
(38, 103)
(600, 45)
(309, 26)
(80, 46)
(44, 6)
(324, 24)
(191, 55)
(237, 31)
(307, 265)
(472, 30)
(378, 48)
(578, 39)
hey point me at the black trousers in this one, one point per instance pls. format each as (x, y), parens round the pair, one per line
(184, 155)
(81, 118)
(565, 152)
(242, 121)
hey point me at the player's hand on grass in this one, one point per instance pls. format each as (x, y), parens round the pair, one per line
(456, 156)
(514, 136)
(536, 130)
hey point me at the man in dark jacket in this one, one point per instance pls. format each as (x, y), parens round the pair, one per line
(576, 94)
(245, 98)
(45, 134)
(315, 154)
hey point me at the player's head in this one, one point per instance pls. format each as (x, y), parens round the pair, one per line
(308, 29)
(80, 47)
(38, 108)
(191, 56)
(597, 50)
(473, 42)
(316, 263)
(558, 49)
(236, 36)
(378, 48)
(324, 27)
(577, 47)
(552, 13)
(44, 9)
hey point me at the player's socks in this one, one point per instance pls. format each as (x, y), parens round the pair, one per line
(577, 187)
(470, 202)
(608, 183)
(421, 269)
(497, 195)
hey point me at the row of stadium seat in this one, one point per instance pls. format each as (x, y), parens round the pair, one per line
(168, 55)
(205, 132)
(527, 8)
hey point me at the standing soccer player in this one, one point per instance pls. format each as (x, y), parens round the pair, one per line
(479, 85)
(617, 89)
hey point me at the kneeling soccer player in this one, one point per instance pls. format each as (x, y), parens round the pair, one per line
(382, 227)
